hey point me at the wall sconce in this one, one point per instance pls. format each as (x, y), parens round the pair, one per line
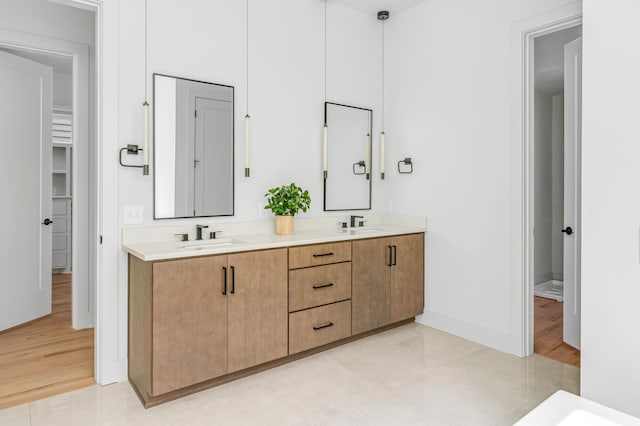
(367, 159)
(403, 169)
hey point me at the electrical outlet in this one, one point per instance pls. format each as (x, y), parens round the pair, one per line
(133, 215)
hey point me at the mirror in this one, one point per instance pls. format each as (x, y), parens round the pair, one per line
(348, 182)
(193, 148)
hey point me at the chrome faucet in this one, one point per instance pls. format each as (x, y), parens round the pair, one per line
(353, 220)
(199, 229)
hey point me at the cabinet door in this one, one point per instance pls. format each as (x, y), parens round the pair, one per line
(370, 284)
(189, 322)
(258, 314)
(407, 277)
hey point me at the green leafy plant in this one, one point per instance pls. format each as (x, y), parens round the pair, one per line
(287, 200)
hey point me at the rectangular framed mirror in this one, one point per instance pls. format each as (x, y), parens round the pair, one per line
(348, 182)
(193, 135)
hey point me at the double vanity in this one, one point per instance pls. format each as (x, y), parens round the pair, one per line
(202, 313)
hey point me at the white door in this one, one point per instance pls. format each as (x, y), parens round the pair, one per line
(572, 190)
(25, 188)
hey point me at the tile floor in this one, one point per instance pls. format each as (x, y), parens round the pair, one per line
(413, 375)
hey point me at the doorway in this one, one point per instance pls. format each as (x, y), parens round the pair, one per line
(55, 353)
(554, 121)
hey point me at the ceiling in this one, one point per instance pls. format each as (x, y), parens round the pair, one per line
(60, 64)
(373, 6)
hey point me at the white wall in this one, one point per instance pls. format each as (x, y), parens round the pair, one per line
(62, 89)
(557, 186)
(543, 205)
(548, 186)
(206, 41)
(47, 19)
(450, 107)
(610, 205)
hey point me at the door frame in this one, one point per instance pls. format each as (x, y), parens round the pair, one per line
(527, 128)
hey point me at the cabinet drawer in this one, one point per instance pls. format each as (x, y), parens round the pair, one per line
(319, 254)
(318, 326)
(319, 285)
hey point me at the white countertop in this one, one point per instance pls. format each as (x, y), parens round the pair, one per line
(565, 409)
(161, 250)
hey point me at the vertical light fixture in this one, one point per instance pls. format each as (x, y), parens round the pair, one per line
(367, 160)
(383, 15)
(325, 129)
(145, 104)
(247, 117)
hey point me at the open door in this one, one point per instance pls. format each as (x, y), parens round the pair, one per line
(25, 187)
(572, 190)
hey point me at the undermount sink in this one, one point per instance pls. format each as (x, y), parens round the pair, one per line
(211, 243)
(363, 230)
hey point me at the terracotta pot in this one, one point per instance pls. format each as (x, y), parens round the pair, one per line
(284, 225)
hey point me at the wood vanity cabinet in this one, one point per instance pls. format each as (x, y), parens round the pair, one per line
(195, 319)
(387, 281)
(199, 322)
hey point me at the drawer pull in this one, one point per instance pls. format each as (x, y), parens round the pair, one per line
(321, 326)
(323, 254)
(318, 286)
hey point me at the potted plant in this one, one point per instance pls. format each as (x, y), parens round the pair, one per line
(285, 202)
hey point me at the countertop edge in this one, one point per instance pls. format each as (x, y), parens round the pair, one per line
(154, 252)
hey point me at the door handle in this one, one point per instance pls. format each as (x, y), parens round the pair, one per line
(233, 280)
(568, 230)
(224, 289)
(395, 255)
(390, 263)
(47, 221)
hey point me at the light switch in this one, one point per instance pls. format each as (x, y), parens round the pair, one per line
(133, 215)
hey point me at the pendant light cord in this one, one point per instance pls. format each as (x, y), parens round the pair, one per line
(146, 44)
(383, 22)
(325, 50)
(247, 57)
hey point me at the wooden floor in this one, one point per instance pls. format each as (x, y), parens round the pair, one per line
(548, 332)
(46, 356)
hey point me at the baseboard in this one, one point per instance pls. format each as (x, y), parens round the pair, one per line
(484, 336)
